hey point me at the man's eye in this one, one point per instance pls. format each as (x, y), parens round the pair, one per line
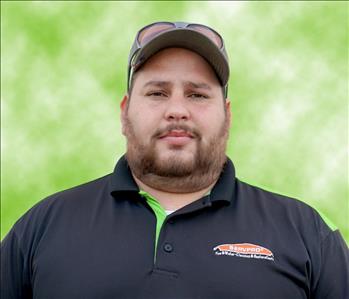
(156, 94)
(198, 96)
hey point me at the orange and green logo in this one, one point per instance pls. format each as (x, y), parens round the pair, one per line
(246, 250)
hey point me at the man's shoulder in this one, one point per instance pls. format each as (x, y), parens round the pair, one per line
(284, 210)
(270, 197)
(85, 188)
(79, 192)
(78, 197)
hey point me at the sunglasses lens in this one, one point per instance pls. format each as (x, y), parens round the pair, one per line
(150, 32)
(213, 36)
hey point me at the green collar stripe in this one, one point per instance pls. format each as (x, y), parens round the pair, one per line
(159, 213)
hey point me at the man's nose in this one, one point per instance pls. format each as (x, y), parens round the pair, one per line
(177, 109)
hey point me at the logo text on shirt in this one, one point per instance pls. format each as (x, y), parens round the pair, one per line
(246, 250)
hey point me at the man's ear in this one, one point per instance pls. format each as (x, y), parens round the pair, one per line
(123, 106)
(228, 111)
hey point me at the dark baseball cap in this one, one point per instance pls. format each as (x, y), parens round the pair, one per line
(198, 38)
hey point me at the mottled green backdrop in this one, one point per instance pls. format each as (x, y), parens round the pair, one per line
(63, 74)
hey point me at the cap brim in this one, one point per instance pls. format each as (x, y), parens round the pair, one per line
(191, 40)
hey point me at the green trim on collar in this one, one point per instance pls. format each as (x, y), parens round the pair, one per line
(159, 213)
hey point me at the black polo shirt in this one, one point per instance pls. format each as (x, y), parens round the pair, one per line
(98, 240)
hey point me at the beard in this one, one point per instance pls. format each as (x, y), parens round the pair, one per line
(176, 174)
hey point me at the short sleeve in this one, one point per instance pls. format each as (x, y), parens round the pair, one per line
(15, 278)
(333, 276)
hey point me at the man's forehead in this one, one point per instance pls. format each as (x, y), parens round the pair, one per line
(175, 58)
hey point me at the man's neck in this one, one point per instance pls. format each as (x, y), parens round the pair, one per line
(173, 201)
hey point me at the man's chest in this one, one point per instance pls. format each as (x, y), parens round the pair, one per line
(190, 261)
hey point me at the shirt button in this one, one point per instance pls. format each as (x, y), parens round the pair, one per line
(168, 247)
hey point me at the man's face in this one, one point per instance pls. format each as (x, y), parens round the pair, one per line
(176, 122)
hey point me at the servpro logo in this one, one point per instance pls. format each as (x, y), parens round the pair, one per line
(245, 250)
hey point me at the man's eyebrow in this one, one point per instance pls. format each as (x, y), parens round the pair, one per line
(163, 84)
(198, 85)
(157, 83)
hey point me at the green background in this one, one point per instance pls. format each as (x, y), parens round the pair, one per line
(63, 75)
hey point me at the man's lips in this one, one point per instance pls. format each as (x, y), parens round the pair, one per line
(176, 137)
(176, 133)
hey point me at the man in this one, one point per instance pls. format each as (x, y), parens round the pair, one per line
(172, 220)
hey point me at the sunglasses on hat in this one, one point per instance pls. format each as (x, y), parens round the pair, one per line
(196, 37)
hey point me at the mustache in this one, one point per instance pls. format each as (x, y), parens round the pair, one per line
(181, 127)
